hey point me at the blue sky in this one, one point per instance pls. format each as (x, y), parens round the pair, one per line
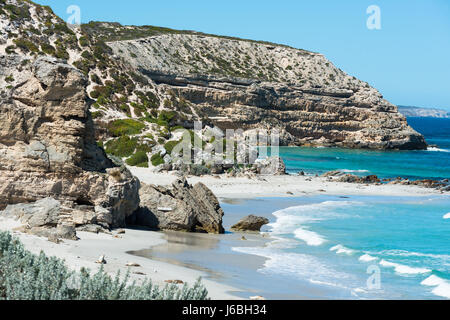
(408, 60)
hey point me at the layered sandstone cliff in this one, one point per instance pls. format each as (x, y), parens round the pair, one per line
(247, 84)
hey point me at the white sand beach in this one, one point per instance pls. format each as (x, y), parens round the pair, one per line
(114, 247)
(283, 186)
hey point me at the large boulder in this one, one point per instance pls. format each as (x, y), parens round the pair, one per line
(181, 207)
(250, 223)
(47, 144)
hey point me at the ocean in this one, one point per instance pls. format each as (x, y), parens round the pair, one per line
(433, 163)
(338, 247)
(364, 247)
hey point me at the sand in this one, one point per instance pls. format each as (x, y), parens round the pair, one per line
(283, 186)
(90, 247)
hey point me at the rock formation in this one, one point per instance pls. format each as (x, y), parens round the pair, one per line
(47, 146)
(181, 207)
(250, 223)
(246, 84)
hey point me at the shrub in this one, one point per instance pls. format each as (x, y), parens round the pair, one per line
(125, 127)
(156, 159)
(83, 41)
(26, 276)
(199, 170)
(139, 159)
(48, 49)
(26, 45)
(121, 147)
(170, 145)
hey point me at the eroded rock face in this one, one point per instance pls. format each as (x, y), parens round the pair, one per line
(250, 223)
(181, 207)
(47, 146)
(248, 85)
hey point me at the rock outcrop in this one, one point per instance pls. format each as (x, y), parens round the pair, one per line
(181, 207)
(43, 218)
(47, 146)
(250, 223)
(246, 84)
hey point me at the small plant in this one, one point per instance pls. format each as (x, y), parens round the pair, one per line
(123, 127)
(121, 147)
(157, 160)
(9, 79)
(26, 45)
(139, 159)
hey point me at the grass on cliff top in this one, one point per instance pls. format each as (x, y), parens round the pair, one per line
(125, 127)
(114, 31)
(26, 276)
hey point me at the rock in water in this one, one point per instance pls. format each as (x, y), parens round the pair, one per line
(250, 223)
(192, 208)
(47, 146)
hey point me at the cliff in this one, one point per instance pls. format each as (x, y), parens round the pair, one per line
(144, 82)
(424, 112)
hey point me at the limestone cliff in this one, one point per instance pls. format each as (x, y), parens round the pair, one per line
(147, 81)
(239, 83)
(47, 147)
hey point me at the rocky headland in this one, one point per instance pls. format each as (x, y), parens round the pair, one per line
(81, 103)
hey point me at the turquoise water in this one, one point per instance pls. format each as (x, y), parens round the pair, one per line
(400, 245)
(431, 164)
(331, 243)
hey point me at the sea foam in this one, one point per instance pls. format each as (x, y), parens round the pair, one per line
(367, 258)
(340, 249)
(437, 149)
(310, 237)
(402, 269)
(442, 287)
(353, 171)
(301, 266)
(290, 219)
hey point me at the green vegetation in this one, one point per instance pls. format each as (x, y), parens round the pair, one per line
(121, 147)
(48, 49)
(26, 276)
(9, 79)
(157, 160)
(26, 45)
(170, 145)
(139, 159)
(123, 127)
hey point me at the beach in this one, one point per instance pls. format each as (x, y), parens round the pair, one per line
(157, 252)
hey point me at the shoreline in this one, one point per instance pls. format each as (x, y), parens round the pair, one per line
(284, 186)
(121, 249)
(84, 253)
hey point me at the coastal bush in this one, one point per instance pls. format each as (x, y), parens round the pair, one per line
(26, 276)
(123, 127)
(48, 49)
(139, 159)
(26, 45)
(157, 160)
(170, 145)
(121, 147)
